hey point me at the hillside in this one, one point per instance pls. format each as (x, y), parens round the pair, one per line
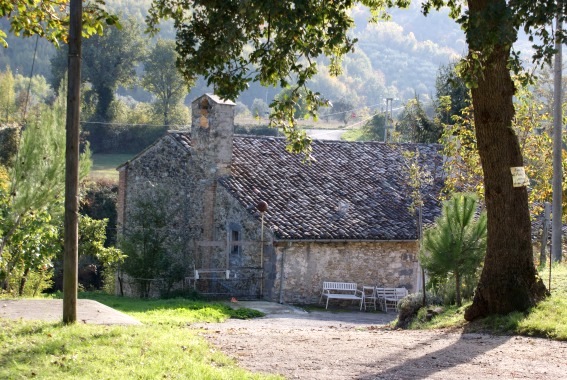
(398, 59)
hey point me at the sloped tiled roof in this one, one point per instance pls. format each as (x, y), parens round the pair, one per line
(353, 191)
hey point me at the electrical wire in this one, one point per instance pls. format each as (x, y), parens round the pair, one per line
(31, 77)
(133, 124)
(185, 125)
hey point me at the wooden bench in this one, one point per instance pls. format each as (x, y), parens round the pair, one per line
(340, 291)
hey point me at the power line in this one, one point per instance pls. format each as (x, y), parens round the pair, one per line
(361, 121)
(185, 125)
(355, 109)
(31, 77)
(134, 124)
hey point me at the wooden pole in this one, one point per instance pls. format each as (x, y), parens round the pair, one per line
(71, 235)
(545, 233)
(420, 237)
(262, 257)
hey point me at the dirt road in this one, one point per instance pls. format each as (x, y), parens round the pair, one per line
(334, 347)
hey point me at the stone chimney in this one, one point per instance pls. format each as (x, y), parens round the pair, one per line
(212, 131)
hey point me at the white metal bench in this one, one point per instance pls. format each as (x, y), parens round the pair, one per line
(341, 291)
(389, 297)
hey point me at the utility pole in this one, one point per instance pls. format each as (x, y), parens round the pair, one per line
(71, 233)
(556, 231)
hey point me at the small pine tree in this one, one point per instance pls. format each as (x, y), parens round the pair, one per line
(456, 245)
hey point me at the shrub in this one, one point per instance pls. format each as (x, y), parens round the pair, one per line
(256, 130)
(98, 200)
(245, 313)
(409, 306)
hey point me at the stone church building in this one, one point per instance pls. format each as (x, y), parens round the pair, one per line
(342, 217)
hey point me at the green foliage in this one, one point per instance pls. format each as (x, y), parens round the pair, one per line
(409, 306)
(415, 126)
(31, 208)
(299, 105)
(285, 37)
(9, 140)
(456, 245)
(241, 110)
(354, 135)
(530, 124)
(162, 79)
(375, 128)
(452, 94)
(98, 201)
(7, 97)
(4, 180)
(548, 319)
(122, 138)
(450, 317)
(50, 19)
(257, 130)
(38, 174)
(108, 60)
(464, 171)
(148, 247)
(39, 93)
(259, 108)
(342, 109)
(29, 249)
(245, 313)
(92, 235)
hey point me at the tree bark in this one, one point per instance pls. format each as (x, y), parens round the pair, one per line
(509, 279)
(23, 281)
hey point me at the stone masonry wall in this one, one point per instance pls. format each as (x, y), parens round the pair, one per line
(166, 173)
(307, 265)
(245, 266)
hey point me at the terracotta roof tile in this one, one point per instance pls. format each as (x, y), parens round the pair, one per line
(352, 191)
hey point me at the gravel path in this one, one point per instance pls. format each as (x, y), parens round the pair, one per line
(324, 345)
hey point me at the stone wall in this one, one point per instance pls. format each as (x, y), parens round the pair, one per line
(167, 174)
(307, 265)
(169, 168)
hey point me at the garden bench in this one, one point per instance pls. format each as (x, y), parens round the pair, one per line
(389, 297)
(341, 291)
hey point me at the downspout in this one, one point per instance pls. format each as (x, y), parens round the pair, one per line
(262, 206)
(288, 245)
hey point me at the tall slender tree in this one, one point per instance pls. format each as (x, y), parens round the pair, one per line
(162, 79)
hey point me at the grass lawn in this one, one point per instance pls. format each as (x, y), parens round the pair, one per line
(165, 347)
(548, 319)
(353, 135)
(104, 165)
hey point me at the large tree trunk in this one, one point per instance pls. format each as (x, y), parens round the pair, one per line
(509, 279)
(105, 98)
